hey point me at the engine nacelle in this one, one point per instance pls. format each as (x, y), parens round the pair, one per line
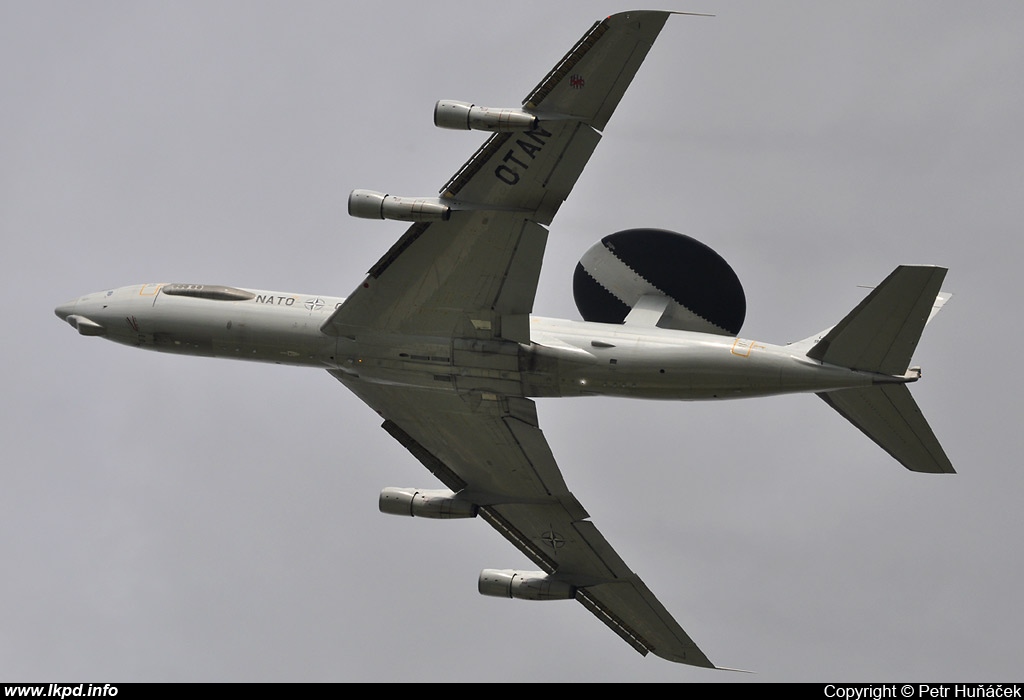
(423, 503)
(367, 204)
(449, 114)
(527, 585)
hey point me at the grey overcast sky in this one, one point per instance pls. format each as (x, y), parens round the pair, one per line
(184, 519)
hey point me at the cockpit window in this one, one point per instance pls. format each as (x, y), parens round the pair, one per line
(207, 291)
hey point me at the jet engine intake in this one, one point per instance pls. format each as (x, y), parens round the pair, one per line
(441, 504)
(527, 585)
(367, 204)
(449, 114)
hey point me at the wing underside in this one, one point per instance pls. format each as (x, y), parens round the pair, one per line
(493, 452)
(485, 260)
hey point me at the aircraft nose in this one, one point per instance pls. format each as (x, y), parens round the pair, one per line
(65, 310)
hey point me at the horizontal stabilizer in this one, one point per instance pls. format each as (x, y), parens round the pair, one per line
(888, 414)
(881, 334)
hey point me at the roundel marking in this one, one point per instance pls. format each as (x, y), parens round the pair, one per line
(552, 539)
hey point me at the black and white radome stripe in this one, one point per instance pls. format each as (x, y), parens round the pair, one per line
(612, 276)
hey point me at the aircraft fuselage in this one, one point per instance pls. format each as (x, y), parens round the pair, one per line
(565, 358)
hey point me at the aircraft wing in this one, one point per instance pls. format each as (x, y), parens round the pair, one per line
(492, 452)
(475, 275)
(454, 297)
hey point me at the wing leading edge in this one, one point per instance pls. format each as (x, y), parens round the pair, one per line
(465, 287)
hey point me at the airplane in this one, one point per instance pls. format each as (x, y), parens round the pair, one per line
(440, 340)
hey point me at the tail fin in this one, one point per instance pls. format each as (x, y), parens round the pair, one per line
(880, 335)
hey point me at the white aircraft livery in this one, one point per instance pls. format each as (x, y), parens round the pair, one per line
(440, 340)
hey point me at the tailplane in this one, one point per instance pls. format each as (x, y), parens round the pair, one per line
(880, 335)
(888, 414)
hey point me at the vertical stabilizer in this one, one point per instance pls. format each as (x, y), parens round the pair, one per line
(881, 334)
